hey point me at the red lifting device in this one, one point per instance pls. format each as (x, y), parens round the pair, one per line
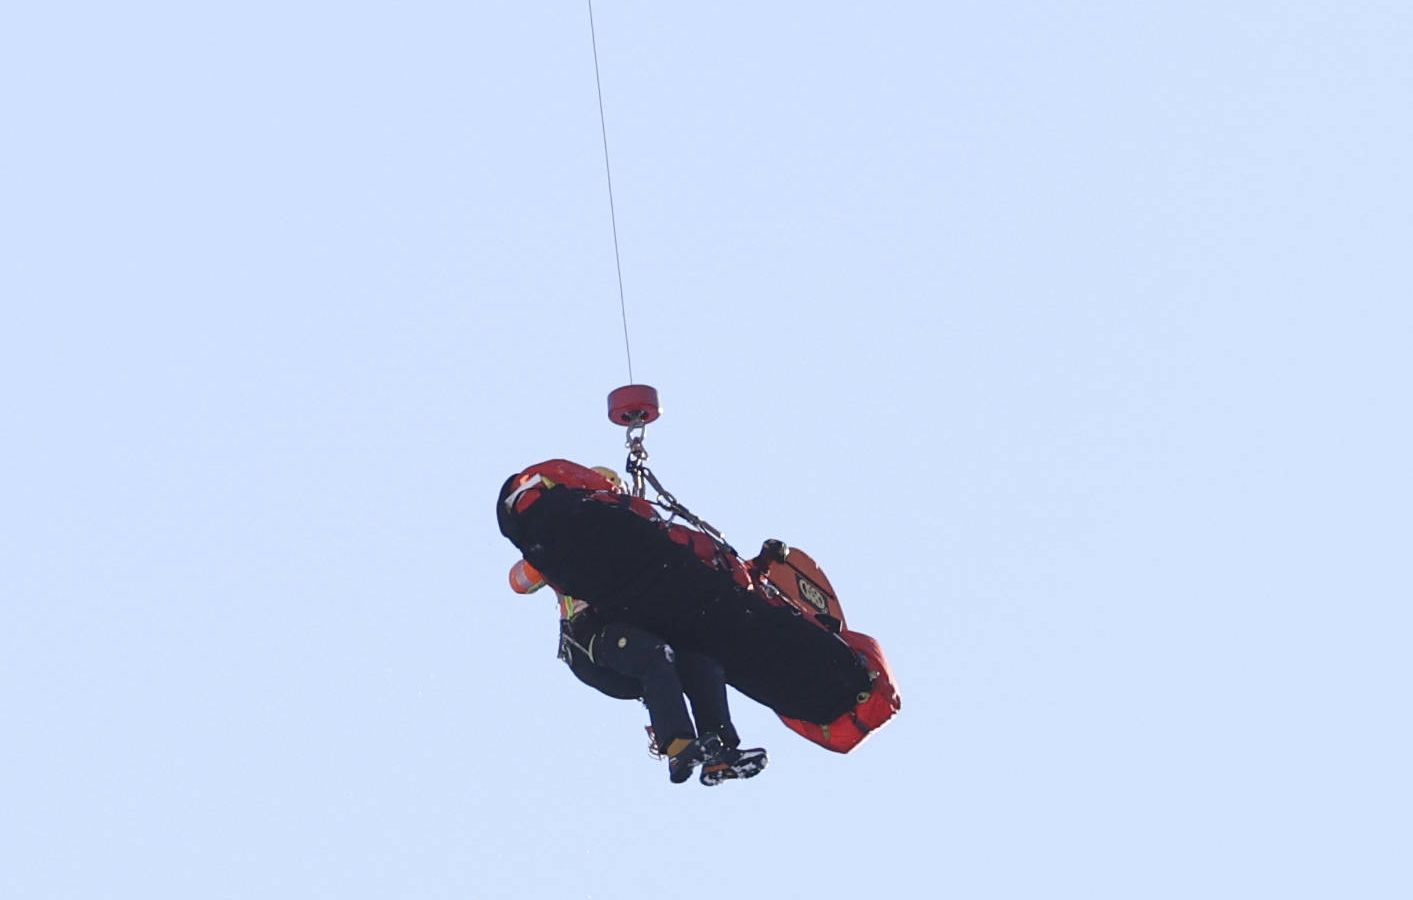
(633, 404)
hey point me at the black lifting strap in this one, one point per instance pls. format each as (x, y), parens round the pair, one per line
(639, 471)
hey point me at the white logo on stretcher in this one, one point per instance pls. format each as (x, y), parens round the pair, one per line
(817, 598)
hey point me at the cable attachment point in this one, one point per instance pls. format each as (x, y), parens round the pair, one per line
(637, 458)
(633, 405)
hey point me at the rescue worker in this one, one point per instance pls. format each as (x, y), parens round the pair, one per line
(627, 661)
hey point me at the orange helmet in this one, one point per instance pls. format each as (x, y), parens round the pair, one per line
(525, 578)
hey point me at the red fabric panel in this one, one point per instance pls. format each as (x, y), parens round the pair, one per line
(570, 474)
(849, 730)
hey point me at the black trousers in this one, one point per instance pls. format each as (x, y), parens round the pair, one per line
(627, 662)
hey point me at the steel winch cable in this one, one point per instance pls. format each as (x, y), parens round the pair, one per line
(608, 176)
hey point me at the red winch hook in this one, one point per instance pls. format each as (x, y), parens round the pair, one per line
(634, 406)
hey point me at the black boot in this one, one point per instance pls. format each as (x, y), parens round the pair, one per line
(682, 757)
(721, 763)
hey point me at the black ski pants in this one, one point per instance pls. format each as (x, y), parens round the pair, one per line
(625, 661)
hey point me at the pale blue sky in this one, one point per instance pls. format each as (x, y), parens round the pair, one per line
(1071, 338)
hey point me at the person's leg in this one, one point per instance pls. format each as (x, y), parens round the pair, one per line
(601, 679)
(639, 654)
(704, 682)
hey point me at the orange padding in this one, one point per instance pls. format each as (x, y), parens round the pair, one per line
(849, 730)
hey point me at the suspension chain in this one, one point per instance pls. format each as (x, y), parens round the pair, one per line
(642, 476)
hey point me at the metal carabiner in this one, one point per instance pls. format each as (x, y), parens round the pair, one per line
(637, 453)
